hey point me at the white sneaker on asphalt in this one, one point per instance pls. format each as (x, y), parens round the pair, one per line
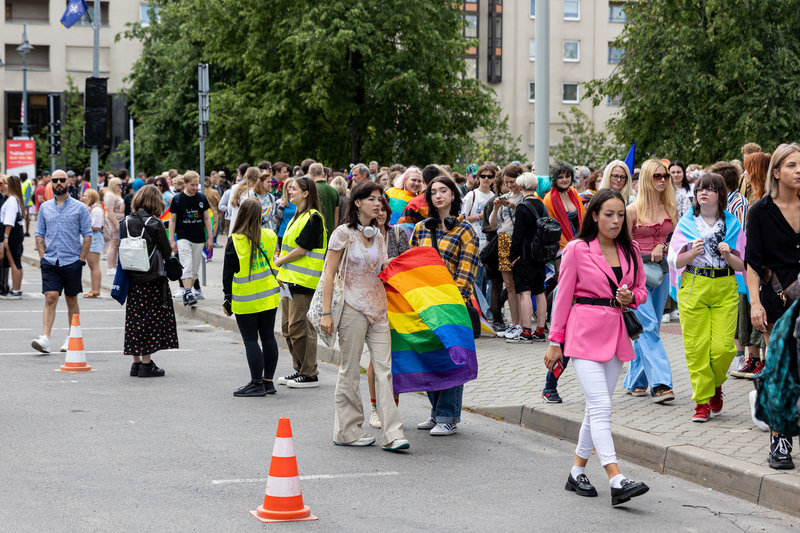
(41, 343)
(364, 440)
(285, 379)
(374, 419)
(397, 444)
(178, 292)
(65, 346)
(198, 294)
(440, 430)
(428, 424)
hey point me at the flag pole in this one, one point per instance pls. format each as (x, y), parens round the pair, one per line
(94, 163)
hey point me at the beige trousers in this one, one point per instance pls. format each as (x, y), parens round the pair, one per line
(354, 331)
(301, 338)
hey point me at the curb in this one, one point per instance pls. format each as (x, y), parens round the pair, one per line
(758, 484)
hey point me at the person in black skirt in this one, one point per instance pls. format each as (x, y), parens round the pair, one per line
(149, 314)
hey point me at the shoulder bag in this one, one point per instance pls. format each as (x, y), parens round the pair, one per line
(654, 272)
(632, 324)
(314, 314)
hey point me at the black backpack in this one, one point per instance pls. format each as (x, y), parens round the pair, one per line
(545, 244)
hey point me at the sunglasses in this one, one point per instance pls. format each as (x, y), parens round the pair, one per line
(486, 176)
(660, 177)
(59, 180)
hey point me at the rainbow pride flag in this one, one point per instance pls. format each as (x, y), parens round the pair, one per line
(398, 200)
(432, 344)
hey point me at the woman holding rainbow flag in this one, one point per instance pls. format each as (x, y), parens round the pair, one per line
(704, 255)
(405, 188)
(455, 240)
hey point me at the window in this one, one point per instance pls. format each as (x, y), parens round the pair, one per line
(616, 12)
(472, 67)
(531, 91)
(614, 54)
(148, 14)
(569, 93)
(533, 9)
(614, 102)
(471, 27)
(572, 10)
(532, 49)
(572, 51)
(84, 21)
(37, 59)
(35, 11)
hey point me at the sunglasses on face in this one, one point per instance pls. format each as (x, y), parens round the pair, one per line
(660, 177)
(59, 180)
(486, 176)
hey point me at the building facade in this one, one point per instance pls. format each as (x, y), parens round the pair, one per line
(59, 52)
(581, 33)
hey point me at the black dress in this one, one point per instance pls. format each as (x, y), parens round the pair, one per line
(149, 313)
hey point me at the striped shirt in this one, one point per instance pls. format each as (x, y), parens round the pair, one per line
(737, 206)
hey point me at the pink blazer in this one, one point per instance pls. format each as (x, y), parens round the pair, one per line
(593, 332)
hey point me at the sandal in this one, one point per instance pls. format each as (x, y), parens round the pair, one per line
(663, 394)
(639, 391)
(92, 294)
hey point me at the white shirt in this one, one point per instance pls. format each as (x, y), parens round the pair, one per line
(8, 213)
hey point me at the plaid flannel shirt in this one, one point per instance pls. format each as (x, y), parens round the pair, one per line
(459, 250)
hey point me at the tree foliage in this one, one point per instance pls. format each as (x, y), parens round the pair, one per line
(341, 81)
(492, 143)
(581, 143)
(699, 78)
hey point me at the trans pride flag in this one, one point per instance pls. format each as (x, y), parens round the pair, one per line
(432, 344)
(686, 234)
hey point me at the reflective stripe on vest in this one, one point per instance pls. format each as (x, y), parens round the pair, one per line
(306, 270)
(257, 290)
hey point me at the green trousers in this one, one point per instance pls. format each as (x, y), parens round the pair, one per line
(708, 311)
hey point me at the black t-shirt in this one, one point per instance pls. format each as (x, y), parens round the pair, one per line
(189, 213)
(311, 235)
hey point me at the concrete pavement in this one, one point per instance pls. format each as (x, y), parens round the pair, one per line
(727, 453)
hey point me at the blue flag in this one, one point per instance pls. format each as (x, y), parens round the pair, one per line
(75, 11)
(630, 158)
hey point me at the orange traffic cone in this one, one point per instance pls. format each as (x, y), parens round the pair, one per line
(76, 357)
(283, 499)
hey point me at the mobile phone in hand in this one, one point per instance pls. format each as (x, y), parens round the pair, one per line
(558, 368)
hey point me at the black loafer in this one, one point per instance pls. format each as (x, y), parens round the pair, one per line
(629, 489)
(581, 486)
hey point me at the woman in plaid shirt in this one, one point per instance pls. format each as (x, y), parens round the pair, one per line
(457, 244)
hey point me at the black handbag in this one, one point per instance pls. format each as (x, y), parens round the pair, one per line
(632, 323)
(174, 268)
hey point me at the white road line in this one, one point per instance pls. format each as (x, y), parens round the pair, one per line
(302, 478)
(34, 352)
(83, 328)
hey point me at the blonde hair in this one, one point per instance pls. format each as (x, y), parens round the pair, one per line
(648, 198)
(605, 183)
(340, 184)
(784, 150)
(114, 187)
(251, 180)
(91, 197)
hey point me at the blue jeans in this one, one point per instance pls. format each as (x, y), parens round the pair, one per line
(446, 405)
(551, 381)
(651, 366)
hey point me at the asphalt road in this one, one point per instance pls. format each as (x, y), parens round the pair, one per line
(107, 452)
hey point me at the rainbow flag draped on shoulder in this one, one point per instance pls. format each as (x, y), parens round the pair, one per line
(398, 200)
(687, 233)
(432, 343)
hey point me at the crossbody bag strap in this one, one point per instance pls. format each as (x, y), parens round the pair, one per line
(261, 249)
(435, 240)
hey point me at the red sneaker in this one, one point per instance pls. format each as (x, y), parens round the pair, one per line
(756, 371)
(715, 403)
(702, 412)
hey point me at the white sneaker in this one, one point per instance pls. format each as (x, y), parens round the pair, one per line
(178, 293)
(674, 315)
(65, 346)
(111, 271)
(374, 419)
(428, 424)
(198, 294)
(509, 332)
(364, 440)
(440, 430)
(665, 318)
(758, 423)
(41, 343)
(397, 444)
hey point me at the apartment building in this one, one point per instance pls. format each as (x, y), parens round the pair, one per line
(581, 33)
(58, 52)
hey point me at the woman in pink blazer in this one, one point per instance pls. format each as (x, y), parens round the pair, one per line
(587, 322)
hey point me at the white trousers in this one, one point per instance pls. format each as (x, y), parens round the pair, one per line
(597, 381)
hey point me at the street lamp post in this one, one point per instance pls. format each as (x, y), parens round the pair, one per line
(23, 49)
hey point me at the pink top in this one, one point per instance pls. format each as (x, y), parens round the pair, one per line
(115, 212)
(363, 290)
(648, 234)
(594, 332)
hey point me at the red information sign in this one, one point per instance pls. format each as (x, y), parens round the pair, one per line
(21, 157)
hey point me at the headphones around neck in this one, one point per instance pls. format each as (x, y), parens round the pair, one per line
(449, 223)
(368, 231)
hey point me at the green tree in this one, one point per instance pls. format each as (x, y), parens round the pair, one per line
(74, 154)
(699, 78)
(581, 143)
(492, 143)
(340, 81)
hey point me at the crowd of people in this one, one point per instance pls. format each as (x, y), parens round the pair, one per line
(604, 256)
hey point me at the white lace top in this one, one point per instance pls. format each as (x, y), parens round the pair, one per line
(363, 290)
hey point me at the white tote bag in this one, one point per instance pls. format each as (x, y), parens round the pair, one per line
(314, 314)
(133, 251)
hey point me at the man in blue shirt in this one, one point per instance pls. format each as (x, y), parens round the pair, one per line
(63, 238)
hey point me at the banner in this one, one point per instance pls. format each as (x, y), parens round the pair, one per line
(21, 157)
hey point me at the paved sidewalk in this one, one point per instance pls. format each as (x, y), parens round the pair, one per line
(726, 453)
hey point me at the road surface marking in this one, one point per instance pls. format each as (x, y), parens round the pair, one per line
(302, 478)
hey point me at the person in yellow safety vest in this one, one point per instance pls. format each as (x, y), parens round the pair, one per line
(27, 195)
(252, 294)
(301, 260)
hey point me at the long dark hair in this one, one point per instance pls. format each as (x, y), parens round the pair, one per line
(455, 207)
(248, 223)
(685, 181)
(312, 200)
(385, 205)
(359, 192)
(589, 228)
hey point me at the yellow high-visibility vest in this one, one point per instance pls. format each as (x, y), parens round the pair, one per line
(307, 270)
(255, 288)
